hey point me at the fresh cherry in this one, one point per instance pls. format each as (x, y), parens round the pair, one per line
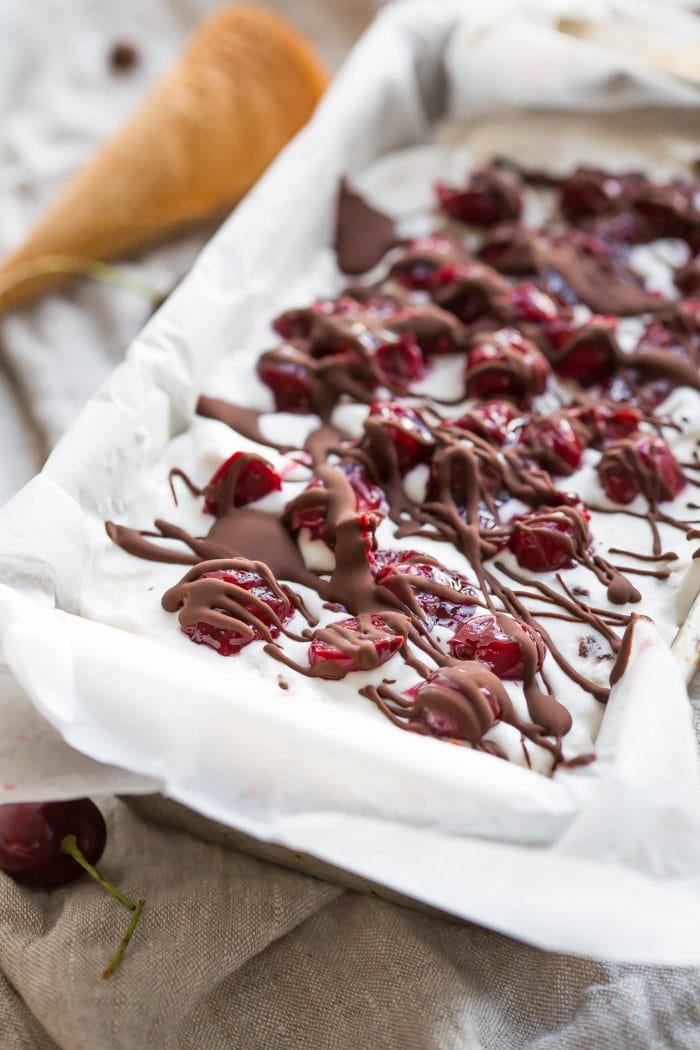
(482, 638)
(228, 641)
(51, 843)
(31, 834)
(642, 464)
(337, 661)
(255, 479)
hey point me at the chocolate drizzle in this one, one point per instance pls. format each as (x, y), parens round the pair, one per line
(363, 235)
(374, 340)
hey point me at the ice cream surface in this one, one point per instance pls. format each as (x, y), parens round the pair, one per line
(454, 481)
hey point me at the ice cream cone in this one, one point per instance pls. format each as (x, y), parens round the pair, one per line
(245, 85)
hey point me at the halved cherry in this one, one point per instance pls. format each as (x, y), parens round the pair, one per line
(368, 498)
(289, 382)
(607, 421)
(349, 646)
(482, 638)
(400, 360)
(256, 479)
(641, 464)
(489, 421)
(228, 642)
(442, 707)
(487, 198)
(589, 356)
(410, 436)
(545, 542)
(589, 191)
(504, 362)
(468, 289)
(444, 596)
(530, 303)
(422, 258)
(553, 442)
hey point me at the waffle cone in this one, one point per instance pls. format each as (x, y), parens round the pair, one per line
(204, 135)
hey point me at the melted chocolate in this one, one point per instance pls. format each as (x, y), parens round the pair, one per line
(363, 235)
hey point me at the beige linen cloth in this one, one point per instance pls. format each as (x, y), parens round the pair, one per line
(231, 952)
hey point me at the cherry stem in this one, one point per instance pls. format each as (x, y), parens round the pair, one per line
(69, 846)
(80, 266)
(118, 955)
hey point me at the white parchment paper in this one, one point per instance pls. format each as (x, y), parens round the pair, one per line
(604, 860)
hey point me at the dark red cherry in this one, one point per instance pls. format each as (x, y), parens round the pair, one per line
(346, 647)
(589, 356)
(489, 421)
(440, 705)
(228, 641)
(481, 638)
(549, 541)
(530, 303)
(607, 421)
(409, 434)
(588, 191)
(289, 382)
(443, 596)
(641, 464)
(554, 443)
(31, 834)
(256, 479)
(482, 202)
(505, 363)
(421, 259)
(400, 361)
(368, 497)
